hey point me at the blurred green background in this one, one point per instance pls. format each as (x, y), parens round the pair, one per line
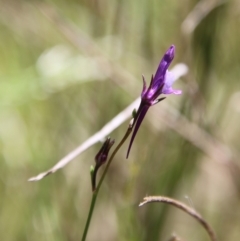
(68, 67)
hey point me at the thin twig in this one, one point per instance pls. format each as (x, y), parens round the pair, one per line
(183, 207)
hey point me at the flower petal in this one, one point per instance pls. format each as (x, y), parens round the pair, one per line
(169, 80)
(163, 66)
(170, 90)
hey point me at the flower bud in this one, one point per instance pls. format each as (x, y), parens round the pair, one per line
(102, 155)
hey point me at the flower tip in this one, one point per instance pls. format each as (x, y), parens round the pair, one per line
(172, 48)
(169, 55)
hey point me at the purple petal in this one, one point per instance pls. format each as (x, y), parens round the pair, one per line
(150, 92)
(163, 66)
(169, 80)
(170, 90)
(142, 112)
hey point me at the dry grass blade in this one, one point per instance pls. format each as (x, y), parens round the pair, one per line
(183, 207)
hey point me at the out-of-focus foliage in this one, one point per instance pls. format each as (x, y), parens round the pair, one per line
(56, 91)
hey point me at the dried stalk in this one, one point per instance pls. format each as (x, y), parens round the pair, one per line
(183, 207)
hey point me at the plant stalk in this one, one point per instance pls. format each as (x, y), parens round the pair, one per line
(96, 191)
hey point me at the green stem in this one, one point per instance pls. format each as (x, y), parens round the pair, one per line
(94, 198)
(95, 193)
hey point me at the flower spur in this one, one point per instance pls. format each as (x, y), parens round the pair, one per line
(161, 83)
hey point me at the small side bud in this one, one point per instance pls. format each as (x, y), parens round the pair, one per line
(91, 170)
(134, 113)
(102, 155)
(100, 159)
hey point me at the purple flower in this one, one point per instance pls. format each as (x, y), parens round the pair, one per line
(161, 83)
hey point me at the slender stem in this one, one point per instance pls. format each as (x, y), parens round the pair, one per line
(185, 208)
(94, 178)
(94, 198)
(96, 191)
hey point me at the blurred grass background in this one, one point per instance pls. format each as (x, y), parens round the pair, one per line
(57, 88)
